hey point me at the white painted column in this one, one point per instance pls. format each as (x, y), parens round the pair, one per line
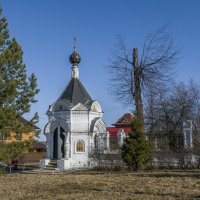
(67, 145)
(51, 143)
(90, 144)
(59, 144)
(48, 147)
(71, 146)
(75, 73)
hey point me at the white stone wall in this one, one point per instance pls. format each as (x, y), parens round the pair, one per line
(79, 122)
(79, 159)
(77, 125)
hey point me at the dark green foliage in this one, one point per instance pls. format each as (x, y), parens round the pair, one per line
(17, 90)
(136, 150)
(11, 151)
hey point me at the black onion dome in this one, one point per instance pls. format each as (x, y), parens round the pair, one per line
(75, 58)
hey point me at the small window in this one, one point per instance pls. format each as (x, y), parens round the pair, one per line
(18, 136)
(3, 136)
(80, 146)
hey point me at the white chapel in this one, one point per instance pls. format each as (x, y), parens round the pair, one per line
(75, 126)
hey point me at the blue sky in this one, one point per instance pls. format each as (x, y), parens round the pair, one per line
(45, 29)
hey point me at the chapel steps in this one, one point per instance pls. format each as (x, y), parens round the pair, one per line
(52, 165)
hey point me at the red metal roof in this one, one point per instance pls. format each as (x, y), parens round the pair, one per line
(124, 121)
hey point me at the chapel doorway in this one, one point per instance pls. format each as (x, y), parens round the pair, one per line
(55, 144)
(58, 143)
(62, 137)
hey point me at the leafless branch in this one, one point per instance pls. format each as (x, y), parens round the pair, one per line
(159, 54)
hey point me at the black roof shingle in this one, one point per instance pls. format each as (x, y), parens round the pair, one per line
(76, 93)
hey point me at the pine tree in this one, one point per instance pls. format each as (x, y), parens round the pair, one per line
(136, 150)
(17, 90)
(11, 151)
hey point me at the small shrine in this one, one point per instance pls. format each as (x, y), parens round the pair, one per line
(75, 126)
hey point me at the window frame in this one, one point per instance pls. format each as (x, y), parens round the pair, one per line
(76, 149)
(18, 136)
(4, 136)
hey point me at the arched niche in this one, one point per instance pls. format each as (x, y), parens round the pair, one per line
(96, 107)
(52, 125)
(97, 126)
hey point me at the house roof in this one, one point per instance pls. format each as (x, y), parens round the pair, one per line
(124, 121)
(24, 121)
(39, 145)
(75, 93)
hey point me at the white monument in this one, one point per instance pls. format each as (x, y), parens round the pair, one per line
(187, 134)
(121, 136)
(75, 126)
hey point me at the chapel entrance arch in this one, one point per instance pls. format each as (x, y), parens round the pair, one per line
(58, 143)
(55, 144)
(62, 137)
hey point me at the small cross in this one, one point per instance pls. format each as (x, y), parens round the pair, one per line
(74, 44)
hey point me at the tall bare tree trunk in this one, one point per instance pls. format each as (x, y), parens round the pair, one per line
(137, 86)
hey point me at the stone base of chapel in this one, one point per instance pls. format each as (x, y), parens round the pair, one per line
(63, 164)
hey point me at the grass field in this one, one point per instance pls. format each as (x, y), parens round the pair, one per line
(102, 185)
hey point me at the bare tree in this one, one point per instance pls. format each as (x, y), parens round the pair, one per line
(131, 74)
(166, 109)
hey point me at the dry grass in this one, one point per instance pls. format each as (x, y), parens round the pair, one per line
(102, 185)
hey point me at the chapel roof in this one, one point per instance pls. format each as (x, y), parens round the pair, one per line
(75, 93)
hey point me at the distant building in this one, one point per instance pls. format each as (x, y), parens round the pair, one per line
(39, 146)
(121, 129)
(159, 141)
(16, 136)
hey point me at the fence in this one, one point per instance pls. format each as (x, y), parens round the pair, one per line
(160, 160)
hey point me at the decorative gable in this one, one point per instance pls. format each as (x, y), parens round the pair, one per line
(79, 107)
(95, 107)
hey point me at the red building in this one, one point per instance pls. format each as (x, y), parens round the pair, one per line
(122, 125)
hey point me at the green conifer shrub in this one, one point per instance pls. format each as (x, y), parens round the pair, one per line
(136, 150)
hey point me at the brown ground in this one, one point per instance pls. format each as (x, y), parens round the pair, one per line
(102, 185)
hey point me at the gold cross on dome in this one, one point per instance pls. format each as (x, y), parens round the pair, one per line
(74, 44)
